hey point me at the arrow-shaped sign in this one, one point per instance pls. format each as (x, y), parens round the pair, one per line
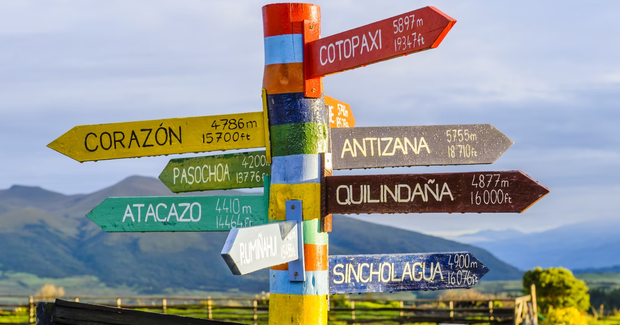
(505, 191)
(180, 213)
(340, 114)
(220, 172)
(163, 137)
(255, 248)
(399, 146)
(403, 272)
(410, 32)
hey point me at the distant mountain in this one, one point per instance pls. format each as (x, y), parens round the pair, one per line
(488, 236)
(609, 269)
(47, 234)
(587, 245)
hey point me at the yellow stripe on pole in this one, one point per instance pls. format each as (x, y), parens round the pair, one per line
(298, 309)
(163, 137)
(310, 193)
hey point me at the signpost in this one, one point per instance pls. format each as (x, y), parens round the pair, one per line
(180, 213)
(163, 137)
(404, 34)
(504, 191)
(399, 146)
(340, 114)
(237, 170)
(251, 249)
(403, 272)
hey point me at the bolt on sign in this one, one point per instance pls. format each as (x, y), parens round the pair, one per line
(403, 272)
(220, 172)
(254, 248)
(476, 192)
(404, 34)
(163, 137)
(180, 213)
(400, 146)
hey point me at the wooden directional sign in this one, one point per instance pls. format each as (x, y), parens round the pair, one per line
(340, 114)
(410, 32)
(403, 272)
(163, 137)
(250, 249)
(180, 213)
(370, 147)
(221, 172)
(505, 191)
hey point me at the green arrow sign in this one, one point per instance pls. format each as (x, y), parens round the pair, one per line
(180, 213)
(221, 172)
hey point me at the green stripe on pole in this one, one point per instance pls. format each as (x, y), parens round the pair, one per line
(298, 138)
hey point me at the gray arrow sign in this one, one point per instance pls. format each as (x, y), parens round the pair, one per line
(254, 248)
(401, 146)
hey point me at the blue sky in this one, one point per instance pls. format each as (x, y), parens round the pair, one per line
(547, 74)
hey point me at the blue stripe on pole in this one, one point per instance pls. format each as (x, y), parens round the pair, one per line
(316, 283)
(284, 49)
(296, 169)
(293, 108)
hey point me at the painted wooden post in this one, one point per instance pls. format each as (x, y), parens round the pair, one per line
(118, 303)
(298, 126)
(164, 308)
(31, 309)
(209, 307)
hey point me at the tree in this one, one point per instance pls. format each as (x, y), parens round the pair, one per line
(557, 288)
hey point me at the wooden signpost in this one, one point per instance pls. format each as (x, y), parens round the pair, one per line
(163, 137)
(404, 34)
(505, 191)
(251, 249)
(403, 272)
(220, 172)
(296, 121)
(399, 146)
(340, 114)
(180, 213)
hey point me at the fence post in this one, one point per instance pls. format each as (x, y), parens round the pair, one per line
(491, 310)
(77, 299)
(451, 309)
(255, 310)
(31, 309)
(401, 308)
(163, 304)
(352, 310)
(118, 302)
(209, 303)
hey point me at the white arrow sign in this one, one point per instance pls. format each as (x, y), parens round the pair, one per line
(254, 248)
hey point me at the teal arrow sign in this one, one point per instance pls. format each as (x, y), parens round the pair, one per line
(180, 213)
(220, 172)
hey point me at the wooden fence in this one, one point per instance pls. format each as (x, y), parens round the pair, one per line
(520, 310)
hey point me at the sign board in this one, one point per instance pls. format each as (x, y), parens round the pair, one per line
(403, 272)
(163, 137)
(254, 248)
(220, 172)
(340, 114)
(404, 34)
(505, 191)
(180, 213)
(399, 146)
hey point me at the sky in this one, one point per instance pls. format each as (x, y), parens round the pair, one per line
(546, 74)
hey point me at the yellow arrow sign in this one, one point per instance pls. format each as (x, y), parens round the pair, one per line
(164, 137)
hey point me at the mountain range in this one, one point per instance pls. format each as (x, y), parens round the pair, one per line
(47, 234)
(593, 246)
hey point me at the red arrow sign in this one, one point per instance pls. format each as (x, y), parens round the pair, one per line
(410, 32)
(507, 191)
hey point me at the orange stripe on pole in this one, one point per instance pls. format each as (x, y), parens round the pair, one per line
(284, 78)
(315, 259)
(287, 18)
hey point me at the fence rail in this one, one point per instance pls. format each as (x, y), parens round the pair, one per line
(520, 310)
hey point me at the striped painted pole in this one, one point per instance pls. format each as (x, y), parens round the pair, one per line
(298, 126)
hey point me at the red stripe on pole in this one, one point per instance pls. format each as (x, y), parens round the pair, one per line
(287, 18)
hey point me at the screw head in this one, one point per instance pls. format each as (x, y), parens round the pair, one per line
(292, 207)
(296, 273)
(313, 89)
